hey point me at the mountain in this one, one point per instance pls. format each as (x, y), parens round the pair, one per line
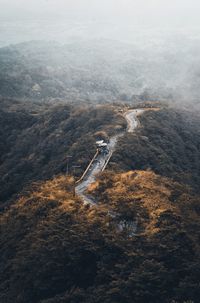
(168, 143)
(56, 249)
(101, 70)
(37, 138)
(138, 242)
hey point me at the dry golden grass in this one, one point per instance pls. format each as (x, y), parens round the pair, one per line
(49, 235)
(154, 193)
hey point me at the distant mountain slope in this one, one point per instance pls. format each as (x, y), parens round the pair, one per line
(45, 71)
(100, 71)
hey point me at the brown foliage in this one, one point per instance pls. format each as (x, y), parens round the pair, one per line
(36, 139)
(55, 249)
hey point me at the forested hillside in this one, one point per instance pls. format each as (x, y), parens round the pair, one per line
(55, 249)
(140, 243)
(101, 70)
(99, 151)
(36, 140)
(167, 142)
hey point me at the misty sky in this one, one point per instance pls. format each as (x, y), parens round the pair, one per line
(62, 20)
(148, 12)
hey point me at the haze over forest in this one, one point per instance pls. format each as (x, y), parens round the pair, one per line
(99, 151)
(133, 47)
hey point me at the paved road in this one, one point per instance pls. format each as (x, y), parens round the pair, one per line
(131, 118)
(102, 160)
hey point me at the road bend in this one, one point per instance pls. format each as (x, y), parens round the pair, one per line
(101, 161)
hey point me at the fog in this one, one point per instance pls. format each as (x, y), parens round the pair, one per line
(121, 14)
(61, 20)
(131, 46)
(149, 12)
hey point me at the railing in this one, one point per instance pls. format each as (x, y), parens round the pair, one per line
(105, 165)
(88, 167)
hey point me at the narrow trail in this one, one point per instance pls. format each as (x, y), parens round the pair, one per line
(101, 161)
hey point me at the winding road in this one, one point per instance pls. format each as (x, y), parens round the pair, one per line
(101, 161)
(132, 120)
